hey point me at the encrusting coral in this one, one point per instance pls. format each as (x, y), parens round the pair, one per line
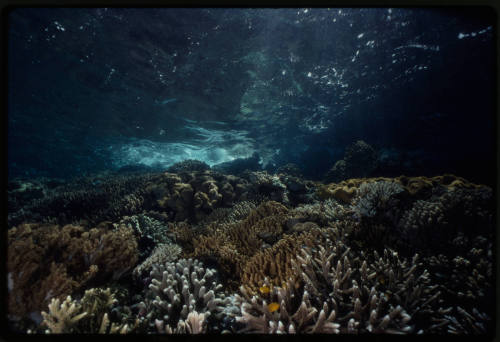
(45, 261)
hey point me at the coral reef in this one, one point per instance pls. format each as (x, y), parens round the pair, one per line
(414, 187)
(375, 197)
(466, 276)
(45, 261)
(365, 255)
(179, 289)
(188, 165)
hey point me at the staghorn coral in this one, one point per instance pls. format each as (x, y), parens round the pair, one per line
(463, 322)
(62, 317)
(294, 315)
(465, 276)
(45, 261)
(194, 324)
(89, 315)
(178, 289)
(376, 197)
(369, 292)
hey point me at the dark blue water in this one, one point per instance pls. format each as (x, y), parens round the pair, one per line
(100, 89)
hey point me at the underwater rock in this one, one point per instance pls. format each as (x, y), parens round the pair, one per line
(290, 169)
(359, 161)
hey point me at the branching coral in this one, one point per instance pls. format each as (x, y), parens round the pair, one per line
(269, 185)
(233, 243)
(434, 222)
(161, 254)
(62, 317)
(275, 263)
(89, 315)
(178, 289)
(46, 261)
(466, 277)
(381, 293)
(149, 231)
(355, 293)
(194, 324)
(94, 199)
(375, 198)
(295, 313)
(323, 213)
